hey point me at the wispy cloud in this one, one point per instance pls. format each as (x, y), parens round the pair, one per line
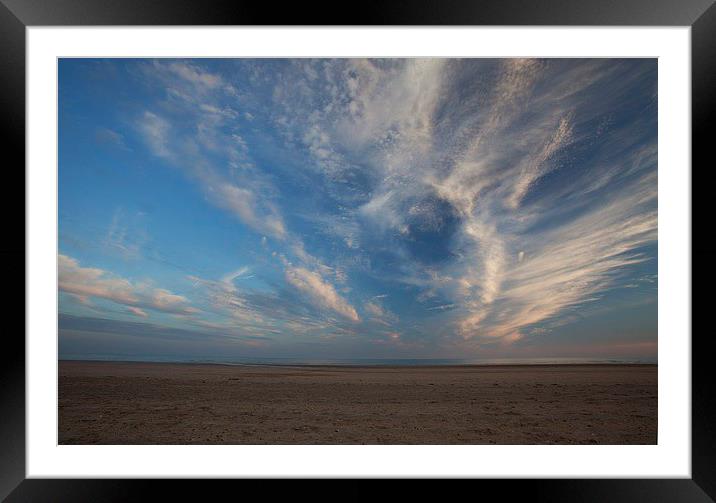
(379, 313)
(197, 98)
(110, 137)
(309, 306)
(90, 282)
(156, 131)
(126, 235)
(321, 292)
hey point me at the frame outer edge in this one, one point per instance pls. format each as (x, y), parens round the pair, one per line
(12, 251)
(703, 110)
(371, 12)
(12, 100)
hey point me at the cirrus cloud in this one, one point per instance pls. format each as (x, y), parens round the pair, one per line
(91, 282)
(322, 293)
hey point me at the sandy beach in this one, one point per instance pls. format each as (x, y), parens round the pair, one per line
(164, 403)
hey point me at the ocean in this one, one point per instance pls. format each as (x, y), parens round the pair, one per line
(223, 360)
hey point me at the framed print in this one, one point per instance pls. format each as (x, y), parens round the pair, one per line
(420, 243)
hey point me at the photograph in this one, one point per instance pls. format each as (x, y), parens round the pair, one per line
(384, 251)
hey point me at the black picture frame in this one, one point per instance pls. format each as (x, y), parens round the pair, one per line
(700, 15)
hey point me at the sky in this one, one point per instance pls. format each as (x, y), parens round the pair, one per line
(345, 208)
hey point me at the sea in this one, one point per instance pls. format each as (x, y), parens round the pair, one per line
(224, 360)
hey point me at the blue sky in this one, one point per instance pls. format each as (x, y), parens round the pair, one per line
(336, 208)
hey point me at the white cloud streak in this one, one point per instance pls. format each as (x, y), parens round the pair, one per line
(197, 96)
(89, 282)
(322, 293)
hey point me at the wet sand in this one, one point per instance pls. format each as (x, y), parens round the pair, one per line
(164, 403)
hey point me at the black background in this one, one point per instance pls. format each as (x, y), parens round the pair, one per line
(15, 15)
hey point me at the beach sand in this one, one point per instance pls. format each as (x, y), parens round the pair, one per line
(165, 403)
